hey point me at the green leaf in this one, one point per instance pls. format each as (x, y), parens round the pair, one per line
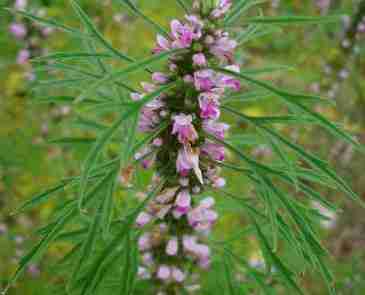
(256, 31)
(295, 100)
(290, 20)
(42, 197)
(133, 8)
(108, 204)
(92, 234)
(310, 158)
(121, 73)
(95, 151)
(265, 70)
(130, 267)
(42, 245)
(107, 134)
(183, 5)
(90, 26)
(284, 272)
(71, 141)
(71, 55)
(240, 7)
(112, 250)
(228, 269)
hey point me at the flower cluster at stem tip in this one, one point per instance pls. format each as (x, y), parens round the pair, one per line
(177, 220)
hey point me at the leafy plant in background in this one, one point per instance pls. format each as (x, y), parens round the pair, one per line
(28, 33)
(162, 237)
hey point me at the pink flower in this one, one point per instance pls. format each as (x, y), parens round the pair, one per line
(163, 273)
(172, 247)
(157, 142)
(147, 259)
(189, 243)
(188, 159)
(221, 9)
(18, 30)
(177, 275)
(136, 96)
(215, 128)
(162, 44)
(3, 228)
(34, 270)
(188, 79)
(148, 87)
(196, 25)
(160, 78)
(167, 195)
(183, 201)
(163, 211)
(226, 81)
(20, 4)
(203, 217)
(148, 120)
(144, 242)
(204, 80)
(184, 129)
(215, 151)
(199, 60)
(23, 56)
(209, 105)
(204, 262)
(200, 251)
(219, 182)
(223, 48)
(149, 117)
(182, 34)
(143, 219)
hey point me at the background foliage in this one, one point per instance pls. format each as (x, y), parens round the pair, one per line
(30, 161)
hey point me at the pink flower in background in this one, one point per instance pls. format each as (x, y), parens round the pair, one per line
(20, 4)
(323, 4)
(209, 105)
(23, 56)
(3, 228)
(184, 129)
(33, 270)
(18, 30)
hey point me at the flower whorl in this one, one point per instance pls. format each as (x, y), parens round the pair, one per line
(177, 220)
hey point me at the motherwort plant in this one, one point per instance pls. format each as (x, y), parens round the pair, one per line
(175, 128)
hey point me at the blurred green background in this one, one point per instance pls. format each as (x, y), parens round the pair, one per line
(327, 59)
